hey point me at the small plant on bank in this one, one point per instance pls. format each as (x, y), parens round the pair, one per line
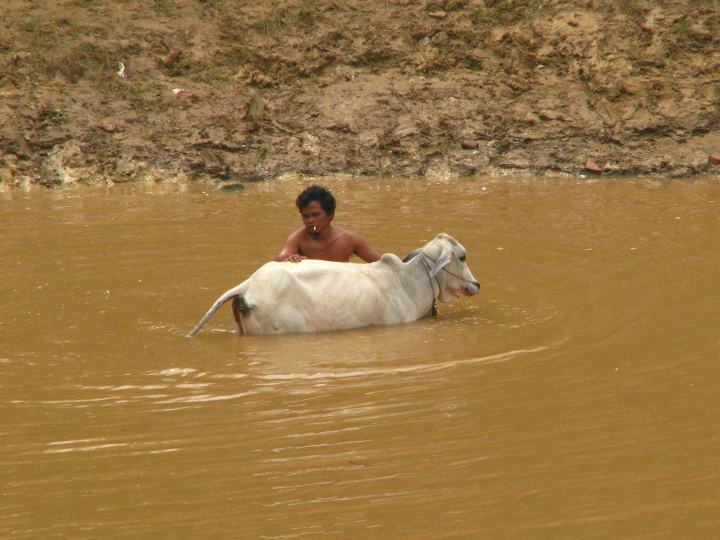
(165, 6)
(215, 4)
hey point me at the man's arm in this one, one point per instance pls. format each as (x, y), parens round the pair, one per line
(290, 250)
(364, 251)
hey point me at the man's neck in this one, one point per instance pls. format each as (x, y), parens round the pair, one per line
(323, 235)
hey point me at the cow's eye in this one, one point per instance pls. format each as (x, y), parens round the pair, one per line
(462, 258)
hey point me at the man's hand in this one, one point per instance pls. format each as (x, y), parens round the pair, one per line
(292, 258)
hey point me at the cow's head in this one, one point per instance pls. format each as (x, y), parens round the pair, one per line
(450, 267)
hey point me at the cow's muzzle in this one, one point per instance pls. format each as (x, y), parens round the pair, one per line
(472, 287)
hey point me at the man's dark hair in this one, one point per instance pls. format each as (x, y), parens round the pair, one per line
(317, 193)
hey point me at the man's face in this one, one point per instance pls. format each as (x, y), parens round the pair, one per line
(314, 217)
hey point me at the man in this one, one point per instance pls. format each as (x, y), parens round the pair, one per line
(319, 238)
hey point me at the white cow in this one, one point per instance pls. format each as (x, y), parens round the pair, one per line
(315, 296)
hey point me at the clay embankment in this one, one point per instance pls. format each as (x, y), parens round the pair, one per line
(94, 91)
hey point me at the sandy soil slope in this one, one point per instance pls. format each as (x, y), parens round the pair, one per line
(232, 90)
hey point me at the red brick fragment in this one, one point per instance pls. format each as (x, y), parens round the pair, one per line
(107, 126)
(593, 167)
(170, 58)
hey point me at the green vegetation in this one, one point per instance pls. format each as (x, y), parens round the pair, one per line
(305, 16)
(473, 63)
(455, 5)
(165, 6)
(506, 12)
(216, 4)
(88, 4)
(56, 116)
(84, 60)
(262, 154)
(445, 5)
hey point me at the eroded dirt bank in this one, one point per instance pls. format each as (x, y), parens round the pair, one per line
(229, 90)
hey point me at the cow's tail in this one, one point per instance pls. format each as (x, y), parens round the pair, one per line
(235, 292)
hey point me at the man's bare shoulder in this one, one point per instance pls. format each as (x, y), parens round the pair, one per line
(298, 234)
(347, 234)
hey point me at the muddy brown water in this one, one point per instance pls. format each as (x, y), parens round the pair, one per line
(575, 396)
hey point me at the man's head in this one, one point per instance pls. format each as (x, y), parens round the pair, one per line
(319, 194)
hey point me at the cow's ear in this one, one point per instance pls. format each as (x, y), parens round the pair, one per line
(442, 260)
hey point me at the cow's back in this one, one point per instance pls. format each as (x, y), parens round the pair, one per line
(315, 295)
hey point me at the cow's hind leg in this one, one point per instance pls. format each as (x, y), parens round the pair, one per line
(240, 308)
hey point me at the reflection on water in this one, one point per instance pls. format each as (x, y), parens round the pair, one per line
(575, 396)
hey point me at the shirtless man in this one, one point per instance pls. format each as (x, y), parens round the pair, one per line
(319, 238)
